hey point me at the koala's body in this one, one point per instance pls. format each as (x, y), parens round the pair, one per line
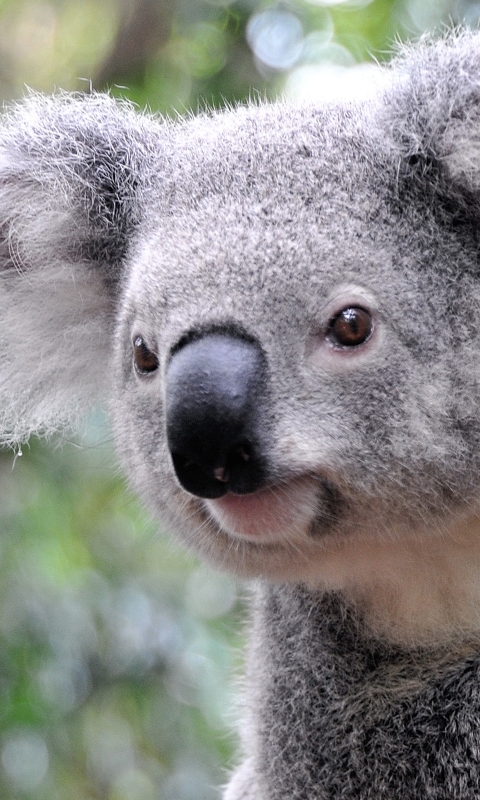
(282, 305)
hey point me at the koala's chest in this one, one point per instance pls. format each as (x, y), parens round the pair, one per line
(338, 722)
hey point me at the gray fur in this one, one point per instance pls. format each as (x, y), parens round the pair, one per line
(263, 223)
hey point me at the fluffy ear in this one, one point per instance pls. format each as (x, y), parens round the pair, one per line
(432, 112)
(73, 172)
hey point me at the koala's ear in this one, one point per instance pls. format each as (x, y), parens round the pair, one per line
(72, 173)
(432, 112)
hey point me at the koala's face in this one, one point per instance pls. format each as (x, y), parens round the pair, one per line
(293, 333)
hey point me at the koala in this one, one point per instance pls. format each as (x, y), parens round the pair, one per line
(281, 306)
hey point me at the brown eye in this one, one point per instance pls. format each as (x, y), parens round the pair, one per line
(145, 360)
(350, 327)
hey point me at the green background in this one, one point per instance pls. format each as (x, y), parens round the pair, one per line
(119, 653)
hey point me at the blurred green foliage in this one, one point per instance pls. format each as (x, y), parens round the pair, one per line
(117, 650)
(115, 646)
(177, 54)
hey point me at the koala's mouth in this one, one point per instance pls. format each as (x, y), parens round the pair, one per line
(283, 512)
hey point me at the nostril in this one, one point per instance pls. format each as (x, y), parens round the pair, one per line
(238, 471)
(244, 452)
(238, 462)
(197, 479)
(221, 474)
(235, 465)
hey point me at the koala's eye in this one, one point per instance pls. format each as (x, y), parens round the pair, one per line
(351, 327)
(144, 359)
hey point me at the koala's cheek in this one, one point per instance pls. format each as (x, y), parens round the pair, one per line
(281, 513)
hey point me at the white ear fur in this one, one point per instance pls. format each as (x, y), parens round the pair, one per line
(434, 106)
(68, 177)
(54, 349)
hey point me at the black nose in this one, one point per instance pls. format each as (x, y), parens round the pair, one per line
(214, 391)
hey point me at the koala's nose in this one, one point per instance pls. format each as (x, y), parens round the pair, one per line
(214, 389)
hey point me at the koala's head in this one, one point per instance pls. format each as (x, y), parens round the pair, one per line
(296, 324)
(299, 335)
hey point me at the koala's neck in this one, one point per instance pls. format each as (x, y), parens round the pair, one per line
(334, 708)
(412, 590)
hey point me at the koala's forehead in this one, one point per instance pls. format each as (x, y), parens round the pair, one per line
(266, 208)
(269, 152)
